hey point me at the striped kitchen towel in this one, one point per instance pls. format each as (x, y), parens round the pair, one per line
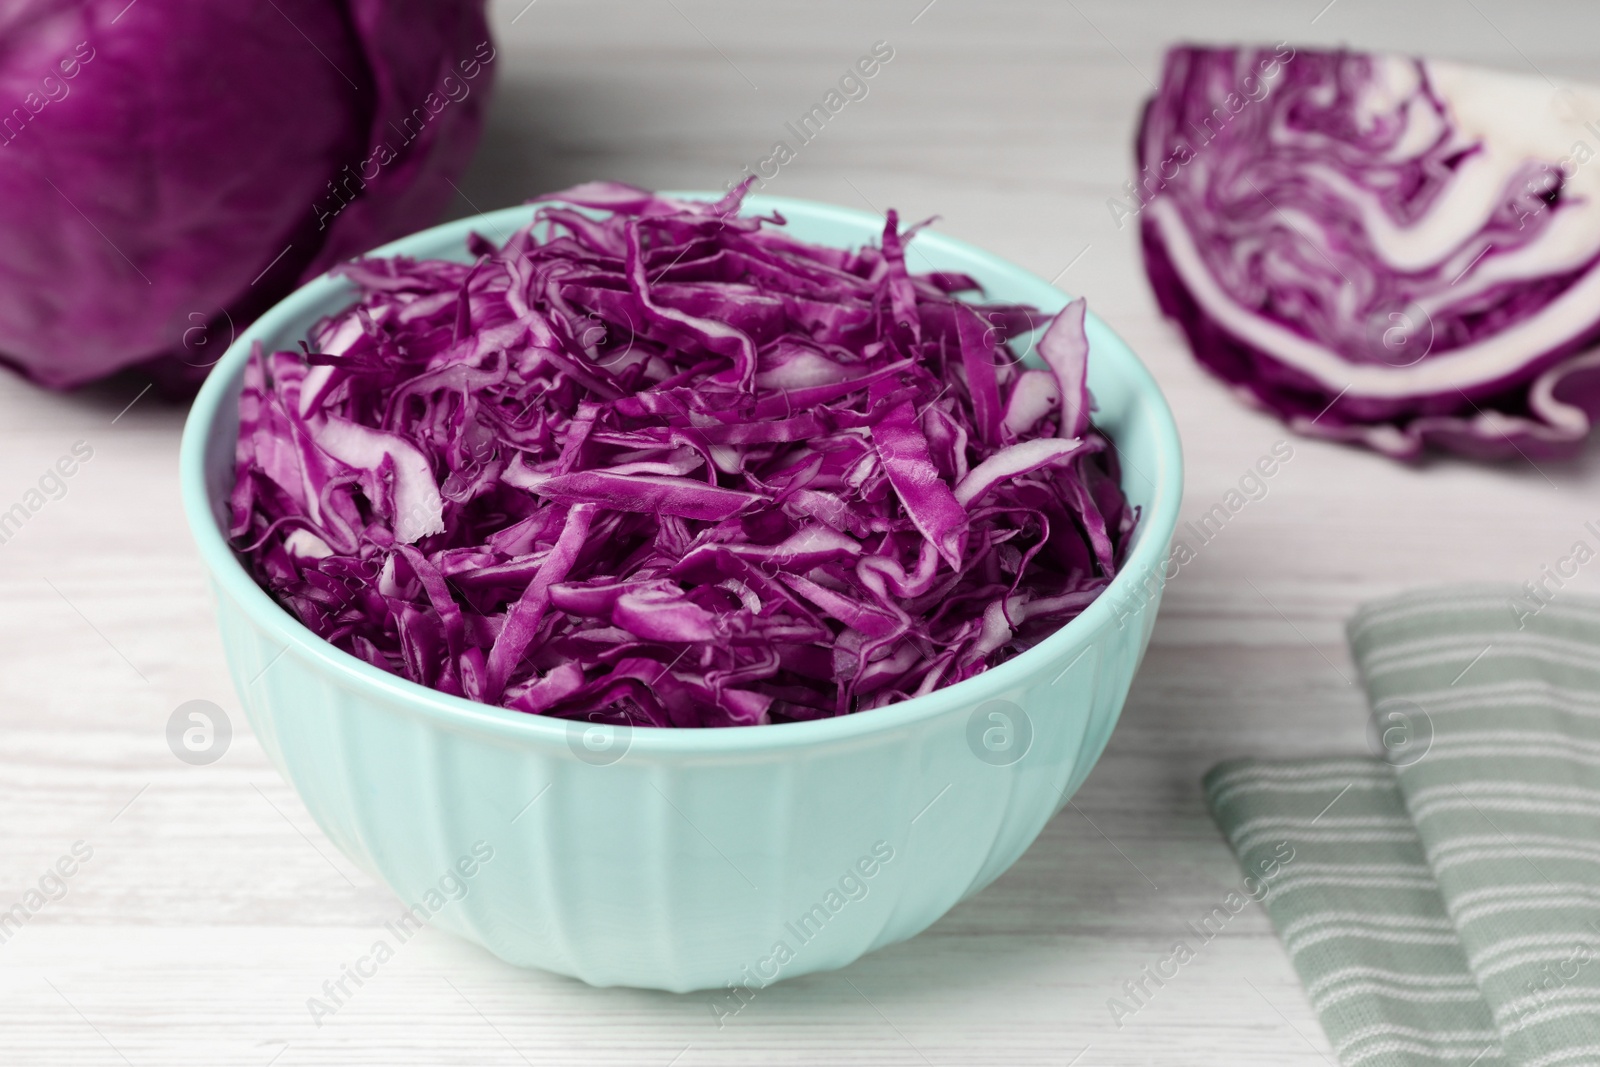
(1328, 848)
(1495, 696)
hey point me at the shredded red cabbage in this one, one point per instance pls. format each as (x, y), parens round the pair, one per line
(652, 461)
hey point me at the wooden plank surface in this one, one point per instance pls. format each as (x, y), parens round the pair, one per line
(212, 908)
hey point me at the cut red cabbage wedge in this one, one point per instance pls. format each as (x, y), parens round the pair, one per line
(1393, 251)
(653, 461)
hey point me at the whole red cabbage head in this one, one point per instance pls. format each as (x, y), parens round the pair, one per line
(170, 168)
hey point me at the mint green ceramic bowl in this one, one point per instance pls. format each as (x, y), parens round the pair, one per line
(688, 859)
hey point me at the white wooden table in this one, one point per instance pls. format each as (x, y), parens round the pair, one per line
(212, 908)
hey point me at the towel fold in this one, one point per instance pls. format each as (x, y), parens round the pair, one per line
(1470, 851)
(1358, 910)
(1504, 789)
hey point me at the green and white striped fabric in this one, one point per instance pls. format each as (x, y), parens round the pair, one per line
(1357, 908)
(1498, 696)
(1442, 904)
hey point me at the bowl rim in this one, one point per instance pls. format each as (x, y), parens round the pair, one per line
(1160, 523)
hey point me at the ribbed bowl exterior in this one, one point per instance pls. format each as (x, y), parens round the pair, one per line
(686, 860)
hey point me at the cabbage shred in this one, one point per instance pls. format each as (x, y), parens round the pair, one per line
(654, 461)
